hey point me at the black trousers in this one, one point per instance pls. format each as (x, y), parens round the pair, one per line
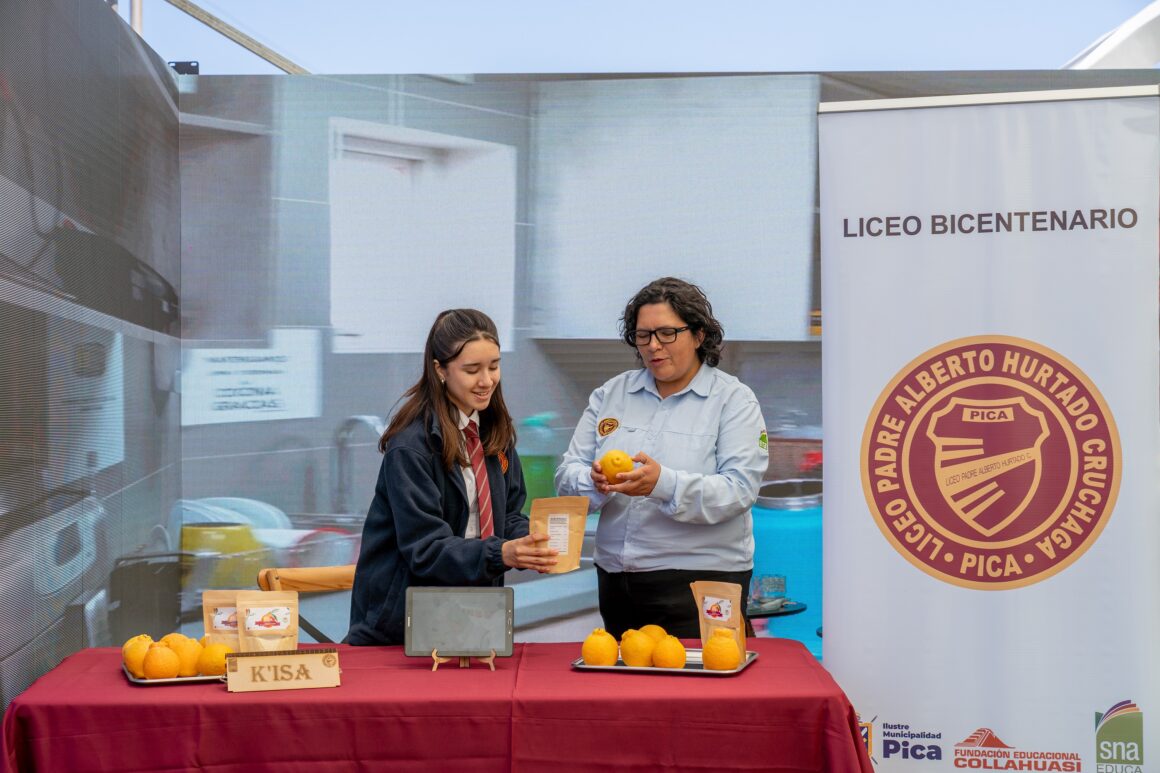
(632, 599)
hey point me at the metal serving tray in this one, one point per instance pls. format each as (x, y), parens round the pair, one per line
(174, 680)
(693, 666)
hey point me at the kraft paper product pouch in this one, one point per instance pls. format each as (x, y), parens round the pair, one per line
(719, 605)
(219, 614)
(563, 519)
(268, 620)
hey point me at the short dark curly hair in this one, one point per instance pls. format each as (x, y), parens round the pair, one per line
(690, 304)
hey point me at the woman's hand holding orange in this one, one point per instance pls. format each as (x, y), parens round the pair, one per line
(639, 482)
(608, 467)
(598, 479)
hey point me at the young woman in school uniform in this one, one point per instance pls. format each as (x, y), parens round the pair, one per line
(446, 508)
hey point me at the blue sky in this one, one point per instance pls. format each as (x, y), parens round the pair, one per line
(519, 36)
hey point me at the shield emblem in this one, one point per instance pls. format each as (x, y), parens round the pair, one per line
(866, 730)
(988, 458)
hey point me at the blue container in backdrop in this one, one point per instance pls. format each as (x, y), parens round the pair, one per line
(787, 534)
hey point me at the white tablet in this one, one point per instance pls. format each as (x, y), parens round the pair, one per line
(459, 622)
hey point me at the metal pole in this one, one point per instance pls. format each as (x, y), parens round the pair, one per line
(135, 15)
(236, 35)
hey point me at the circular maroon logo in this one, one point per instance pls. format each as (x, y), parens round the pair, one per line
(991, 462)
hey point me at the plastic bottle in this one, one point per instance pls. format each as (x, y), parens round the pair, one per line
(537, 449)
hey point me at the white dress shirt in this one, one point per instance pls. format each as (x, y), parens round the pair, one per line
(469, 476)
(710, 441)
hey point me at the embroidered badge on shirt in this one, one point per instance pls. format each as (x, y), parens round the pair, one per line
(503, 462)
(763, 441)
(607, 427)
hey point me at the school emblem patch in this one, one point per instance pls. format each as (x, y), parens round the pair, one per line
(607, 427)
(991, 462)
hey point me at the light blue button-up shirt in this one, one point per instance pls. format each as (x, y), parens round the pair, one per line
(709, 439)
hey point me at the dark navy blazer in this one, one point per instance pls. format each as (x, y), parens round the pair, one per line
(414, 530)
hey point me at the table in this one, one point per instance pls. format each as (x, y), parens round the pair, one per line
(783, 713)
(534, 712)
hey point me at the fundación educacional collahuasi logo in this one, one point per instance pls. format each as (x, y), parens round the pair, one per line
(991, 462)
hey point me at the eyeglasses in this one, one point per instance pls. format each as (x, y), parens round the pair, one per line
(665, 335)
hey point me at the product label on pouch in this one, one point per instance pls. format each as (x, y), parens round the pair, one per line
(558, 532)
(225, 618)
(716, 608)
(267, 618)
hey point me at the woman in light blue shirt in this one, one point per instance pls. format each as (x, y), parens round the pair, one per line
(698, 438)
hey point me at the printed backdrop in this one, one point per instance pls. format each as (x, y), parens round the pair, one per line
(991, 391)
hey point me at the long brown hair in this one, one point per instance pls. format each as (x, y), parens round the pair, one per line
(453, 329)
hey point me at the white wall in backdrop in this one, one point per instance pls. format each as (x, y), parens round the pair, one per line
(411, 213)
(691, 177)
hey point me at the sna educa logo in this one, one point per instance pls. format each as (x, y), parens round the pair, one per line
(1120, 739)
(991, 462)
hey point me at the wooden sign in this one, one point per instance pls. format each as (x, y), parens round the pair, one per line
(282, 670)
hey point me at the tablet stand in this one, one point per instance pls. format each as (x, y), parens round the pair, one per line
(464, 661)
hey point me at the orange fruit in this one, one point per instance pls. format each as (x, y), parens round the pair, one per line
(636, 648)
(160, 662)
(669, 653)
(170, 638)
(188, 651)
(138, 638)
(615, 462)
(204, 640)
(721, 652)
(599, 649)
(655, 631)
(133, 654)
(212, 661)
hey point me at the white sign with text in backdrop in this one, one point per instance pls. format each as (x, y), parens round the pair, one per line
(280, 381)
(992, 432)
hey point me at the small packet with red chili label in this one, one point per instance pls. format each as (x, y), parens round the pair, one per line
(719, 606)
(268, 620)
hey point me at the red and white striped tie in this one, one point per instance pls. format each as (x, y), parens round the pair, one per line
(482, 489)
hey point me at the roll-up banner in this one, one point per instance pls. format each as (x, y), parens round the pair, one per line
(992, 427)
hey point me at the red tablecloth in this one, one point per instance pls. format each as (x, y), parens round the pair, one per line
(533, 713)
(784, 712)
